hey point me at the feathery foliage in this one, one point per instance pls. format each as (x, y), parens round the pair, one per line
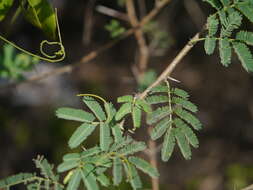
(170, 120)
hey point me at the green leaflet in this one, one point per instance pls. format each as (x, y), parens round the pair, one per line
(244, 55)
(144, 105)
(71, 157)
(117, 134)
(232, 22)
(89, 178)
(45, 168)
(90, 152)
(212, 25)
(215, 3)
(95, 107)
(68, 165)
(209, 45)
(189, 134)
(159, 88)
(157, 99)
(5, 5)
(41, 14)
(181, 93)
(246, 8)
(117, 171)
(75, 115)
(124, 110)
(245, 36)
(183, 144)
(75, 180)
(225, 2)
(110, 111)
(225, 52)
(80, 134)
(136, 116)
(15, 179)
(168, 145)
(189, 118)
(144, 166)
(158, 114)
(127, 98)
(103, 180)
(185, 104)
(160, 128)
(133, 148)
(105, 137)
(133, 176)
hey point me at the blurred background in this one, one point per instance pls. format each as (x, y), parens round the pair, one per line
(28, 126)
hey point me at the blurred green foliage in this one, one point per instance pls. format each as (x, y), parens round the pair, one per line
(115, 28)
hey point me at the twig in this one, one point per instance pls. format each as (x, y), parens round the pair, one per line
(248, 188)
(111, 12)
(139, 35)
(171, 66)
(91, 55)
(88, 22)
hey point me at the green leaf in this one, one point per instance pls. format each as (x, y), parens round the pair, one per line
(45, 168)
(5, 6)
(71, 157)
(75, 180)
(133, 176)
(117, 171)
(105, 138)
(136, 116)
(133, 148)
(158, 114)
(209, 45)
(212, 25)
(144, 105)
(103, 179)
(41, 14)
(225, 52)
(246, 8)
(95, 107)
(189, 118)
(225, 2)
(189, 134)
(168, 145)
(127, 98)
(89, 178)
(157, 99)
(245, 36)
(80, 134)
(233, 22)
(90, 152)
(185, 104)
(159, 89)
(144, 166)
(68, 165)
(244, 56)
(183, 144)
(181, 93)
(214, 3)
(124, 110)
(74, 114)
(110, 111)
(15, 179)
(117, 133)
(160, 128)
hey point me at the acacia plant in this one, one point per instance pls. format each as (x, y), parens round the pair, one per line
(169, 113)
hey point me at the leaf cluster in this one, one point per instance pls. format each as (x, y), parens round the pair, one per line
(173, 119)
(115, 28)
(224, 27)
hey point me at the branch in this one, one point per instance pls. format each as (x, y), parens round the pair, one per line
(171, 66)
(87, 58)
(248, 188)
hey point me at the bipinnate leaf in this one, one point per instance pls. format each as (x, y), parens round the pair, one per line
(209, 45)
(160, 128)
(89, 178)
(95, 107)
(244, 55)
(117, 171)
(225, 52)
(80, 134)
(168, 145)
(75, 115)
(124, 110)
(105, 137)
(75, 180)
(183, 144)
(245, 36)
(144, 166)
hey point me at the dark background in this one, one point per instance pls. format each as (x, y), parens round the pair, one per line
(28, 126)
